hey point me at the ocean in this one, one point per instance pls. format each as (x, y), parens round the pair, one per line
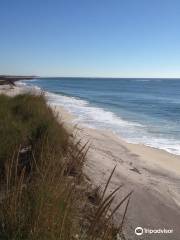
(145, 111)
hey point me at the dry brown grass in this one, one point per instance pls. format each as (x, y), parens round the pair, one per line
(44, 194)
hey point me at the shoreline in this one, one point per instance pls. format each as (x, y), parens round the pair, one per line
(80, 121)
(153, 175)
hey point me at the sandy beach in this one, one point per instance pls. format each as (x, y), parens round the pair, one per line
(152, 174)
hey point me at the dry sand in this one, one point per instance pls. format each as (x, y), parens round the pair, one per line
(153, 175)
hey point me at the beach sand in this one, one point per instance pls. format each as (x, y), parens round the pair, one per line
(152, 174)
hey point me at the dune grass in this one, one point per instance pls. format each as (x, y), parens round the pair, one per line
(43, 192)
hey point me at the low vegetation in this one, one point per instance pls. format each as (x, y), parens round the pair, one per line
(43, 192)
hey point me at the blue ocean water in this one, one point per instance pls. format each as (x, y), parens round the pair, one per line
(145, 111)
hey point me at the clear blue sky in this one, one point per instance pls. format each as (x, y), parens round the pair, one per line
(104, 38)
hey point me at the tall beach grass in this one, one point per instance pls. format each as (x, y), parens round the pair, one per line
(43, 191)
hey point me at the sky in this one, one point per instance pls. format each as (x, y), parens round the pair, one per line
(90, 38)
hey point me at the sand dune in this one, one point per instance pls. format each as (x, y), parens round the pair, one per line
(153, 175)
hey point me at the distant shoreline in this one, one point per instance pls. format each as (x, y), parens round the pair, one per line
(11, 79)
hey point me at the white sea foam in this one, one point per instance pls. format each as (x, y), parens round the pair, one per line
(96, 117)
(88, 113)
(27, 85)
(169, 145)
(20, 83)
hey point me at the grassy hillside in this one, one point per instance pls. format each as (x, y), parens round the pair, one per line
(43, 192)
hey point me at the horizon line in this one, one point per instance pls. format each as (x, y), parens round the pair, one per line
(91, 77)
(108, 77)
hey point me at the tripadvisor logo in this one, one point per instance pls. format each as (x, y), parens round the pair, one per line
(139, 231)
